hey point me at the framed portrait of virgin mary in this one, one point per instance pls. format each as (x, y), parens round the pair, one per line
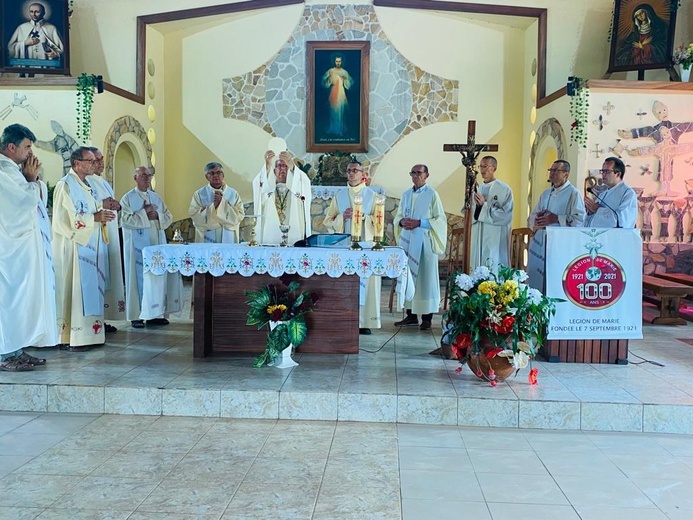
(337, 96)
(642, 36)
(35, 36)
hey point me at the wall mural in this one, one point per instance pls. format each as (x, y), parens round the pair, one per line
(403, 97)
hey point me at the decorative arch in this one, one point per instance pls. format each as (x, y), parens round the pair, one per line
(126, 129)
(552, 129)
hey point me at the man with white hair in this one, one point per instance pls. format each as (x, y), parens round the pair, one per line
(216, 209)
(144, 218)
(282, 196)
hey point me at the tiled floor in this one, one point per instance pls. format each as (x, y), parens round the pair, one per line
(73, 467)
(215, 438)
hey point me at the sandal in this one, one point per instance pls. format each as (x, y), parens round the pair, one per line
(15, 365)
(30, 360)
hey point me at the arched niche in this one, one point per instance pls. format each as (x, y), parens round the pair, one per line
(126, 132)
(549, 145)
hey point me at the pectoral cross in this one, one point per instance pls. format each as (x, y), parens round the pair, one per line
(469, 151)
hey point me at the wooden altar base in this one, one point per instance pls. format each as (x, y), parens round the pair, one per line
(220, 314)
(606, 351)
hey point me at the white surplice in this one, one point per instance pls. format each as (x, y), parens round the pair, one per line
(114, 296)
(490, 242)
(218, 225)
(139, 232)
(423, 245)
(27, 281)
(618, 208)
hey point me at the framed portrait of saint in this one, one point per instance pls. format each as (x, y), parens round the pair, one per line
(337, 96)
(35, 36)
(643, 34)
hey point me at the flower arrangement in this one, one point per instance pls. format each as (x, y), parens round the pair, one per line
(496, 316)
(286, 306)
(683, 55)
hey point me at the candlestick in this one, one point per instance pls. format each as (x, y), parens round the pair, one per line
(378, 222)
(356, 221)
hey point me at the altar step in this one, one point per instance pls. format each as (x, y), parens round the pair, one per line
(152, 372)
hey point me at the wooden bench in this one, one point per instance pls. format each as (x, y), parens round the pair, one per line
(668, 298)
(685, 279)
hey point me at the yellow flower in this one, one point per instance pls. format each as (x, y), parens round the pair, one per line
(488, 287)
(273, 308)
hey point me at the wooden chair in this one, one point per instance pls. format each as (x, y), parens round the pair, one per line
(519, 247)
(455, 260)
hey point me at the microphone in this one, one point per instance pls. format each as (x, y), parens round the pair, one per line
(601, 202)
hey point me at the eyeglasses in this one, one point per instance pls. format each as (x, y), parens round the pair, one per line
(554, 170)
(604, 172)
(217, 173)
(92, 161)
(353, 170)
(416, 174)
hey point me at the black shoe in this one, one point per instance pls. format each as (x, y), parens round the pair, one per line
(425, 325)
(409, 320)
(158, 321)
(365, 331)
(137, 324)
(73, 348)
(110, 329)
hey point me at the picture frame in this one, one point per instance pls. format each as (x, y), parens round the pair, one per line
(337, 96)
(642, 35)
(43, 21)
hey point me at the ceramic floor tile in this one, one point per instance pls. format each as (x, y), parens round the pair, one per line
(625, 513)
(61, 461)
(436, 485)
(543, 489)
(599, 490)
(9, 463)
(421, 509)
(667, 492)
(208, 497)
(82, 514)
(20, 513)
(532, 512)
(24, 490)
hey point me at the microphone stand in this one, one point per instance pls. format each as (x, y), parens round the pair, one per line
(601, 202)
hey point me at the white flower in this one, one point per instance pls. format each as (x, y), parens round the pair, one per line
(464, 282)
(481, 273)
(534, 296)
(520, 276)
(520, 360)
(525, 347)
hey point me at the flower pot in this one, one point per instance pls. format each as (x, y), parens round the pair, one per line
(284, 359)
(480, 365)
(684, 73)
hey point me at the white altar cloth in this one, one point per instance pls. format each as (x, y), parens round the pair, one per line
(220, 259)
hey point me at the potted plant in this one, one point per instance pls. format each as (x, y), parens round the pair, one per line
(496, 323)
(683, 57)
(284, 311)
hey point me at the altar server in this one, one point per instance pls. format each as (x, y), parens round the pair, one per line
(144, 218)
(282, 196)
(421, 230)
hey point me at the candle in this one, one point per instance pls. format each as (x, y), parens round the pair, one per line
(356, 218)
(379, 216)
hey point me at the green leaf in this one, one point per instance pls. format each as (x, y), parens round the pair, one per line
(298, 331)
(278, 338)
(294, 286)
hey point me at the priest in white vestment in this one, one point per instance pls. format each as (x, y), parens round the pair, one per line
(27, 281)
(559, 205)
(144, 218)
(492, 211)
(216, 209)
(35, 39)
(114, 295)
(338, 220)
(79, 255)
(281, 196)
(617, 206)
(421, 230)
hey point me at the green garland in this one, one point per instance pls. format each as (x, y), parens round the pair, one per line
(579, 109)
(321, 167)
(86, 85)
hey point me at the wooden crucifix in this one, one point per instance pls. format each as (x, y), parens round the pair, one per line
(470, 151)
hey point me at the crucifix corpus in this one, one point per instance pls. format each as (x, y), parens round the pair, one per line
(469, 151)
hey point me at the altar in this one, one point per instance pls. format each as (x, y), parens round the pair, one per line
(223, 272)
